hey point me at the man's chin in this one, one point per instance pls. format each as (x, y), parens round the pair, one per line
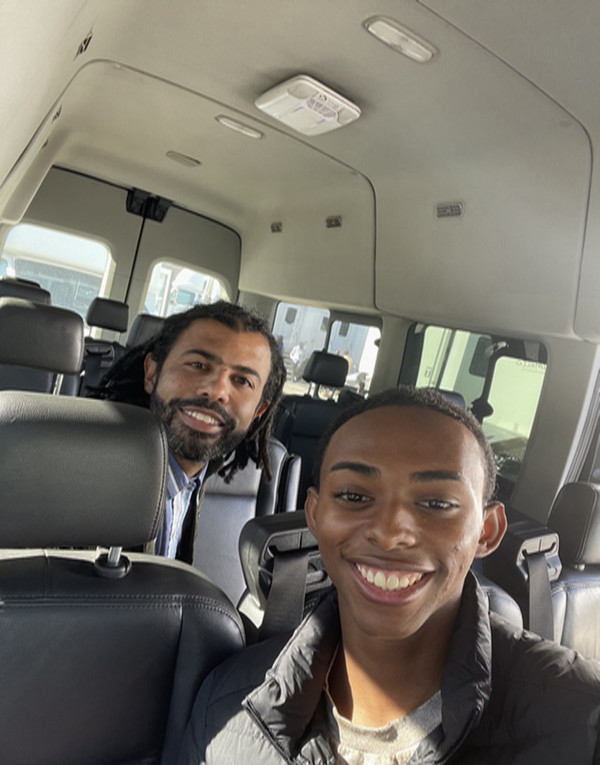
(204, 447)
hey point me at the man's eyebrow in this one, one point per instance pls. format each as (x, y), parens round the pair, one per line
(357, 467)
(423, 476)
(218, 360)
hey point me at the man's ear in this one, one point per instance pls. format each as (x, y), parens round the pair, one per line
(150, 370)
(494, 527)
(261, 409)
(310, 509)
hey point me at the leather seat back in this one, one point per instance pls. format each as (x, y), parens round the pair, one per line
(226, 507)
(575, 517)
(302, 420)
(38, 342)
(100, 355)
(101, 655)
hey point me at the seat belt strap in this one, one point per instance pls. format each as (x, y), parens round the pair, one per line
(285, 604)
(541, 616)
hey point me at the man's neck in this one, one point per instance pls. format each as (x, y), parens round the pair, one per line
(190, 468)
(373, 682)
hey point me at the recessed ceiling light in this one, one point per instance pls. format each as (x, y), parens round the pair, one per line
(308, 106)
(239, 127)
(183, 159)
(400, 39)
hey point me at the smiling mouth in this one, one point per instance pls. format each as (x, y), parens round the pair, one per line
(391, 581)
(203, 417)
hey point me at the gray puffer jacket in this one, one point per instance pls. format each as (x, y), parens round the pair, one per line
(507, 697)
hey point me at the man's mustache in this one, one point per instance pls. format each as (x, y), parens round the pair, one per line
(203, 403)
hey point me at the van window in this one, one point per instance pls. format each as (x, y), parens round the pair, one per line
(299, 330)
(173, 289)
(72, 268)
(500, 379)
(359, 344)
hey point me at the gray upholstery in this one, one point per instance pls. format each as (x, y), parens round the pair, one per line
(266, 544)
(144, 326)
(24, 289)
(95, 669)
(227, 506)
(575, 516)
(108, 314)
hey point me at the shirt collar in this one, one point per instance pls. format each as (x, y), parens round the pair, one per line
(177, 478)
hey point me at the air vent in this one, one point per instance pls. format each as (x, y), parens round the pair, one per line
(449, 210)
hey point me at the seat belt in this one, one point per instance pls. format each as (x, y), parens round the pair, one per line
(541, 613)
(285, 603)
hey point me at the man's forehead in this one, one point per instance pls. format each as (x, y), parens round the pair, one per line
(424, 434)
(209, 329)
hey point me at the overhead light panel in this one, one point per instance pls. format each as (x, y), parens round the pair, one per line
(308, 106)
(239, 127)
(400, 39)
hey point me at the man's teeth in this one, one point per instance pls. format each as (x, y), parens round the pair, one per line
(388, 580)
(202, 417)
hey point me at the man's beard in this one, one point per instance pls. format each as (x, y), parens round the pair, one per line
(190, 444)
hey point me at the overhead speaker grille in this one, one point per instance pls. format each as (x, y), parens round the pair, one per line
(449, 210)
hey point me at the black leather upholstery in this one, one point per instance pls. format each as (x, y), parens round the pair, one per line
(302, 420)
(144, 326)
(100, 355)
(281, 549)
(24, 289)
(95, 669)
(108, 314)
(37, 341)
(324, 368)
(227, 506)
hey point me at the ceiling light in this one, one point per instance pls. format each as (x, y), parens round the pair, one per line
(308, 106)
(183, 159)
(400, 38)
(238, 127)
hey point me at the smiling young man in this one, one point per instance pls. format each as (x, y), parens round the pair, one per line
(402, 662)
(213, 375)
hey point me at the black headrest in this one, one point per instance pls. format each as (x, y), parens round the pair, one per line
(144, 326)
(77, 472)
(575, 517)
(454, 397)
(325, 368)
(24, 289)
(108, 314)
(40, 336)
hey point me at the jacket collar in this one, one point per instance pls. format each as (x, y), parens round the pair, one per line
(287, 706)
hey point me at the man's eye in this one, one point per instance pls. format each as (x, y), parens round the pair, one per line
(197, 365)
(245, 381)
(352, 497)
(438, 504)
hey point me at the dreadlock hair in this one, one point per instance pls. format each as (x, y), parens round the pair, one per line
(124, 381)
(425, 398)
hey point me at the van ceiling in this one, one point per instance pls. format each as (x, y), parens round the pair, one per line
(503, 121)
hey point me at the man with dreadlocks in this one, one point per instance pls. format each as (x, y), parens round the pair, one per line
(213, 375)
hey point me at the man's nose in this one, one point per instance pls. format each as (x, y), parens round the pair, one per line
(393, 525)
(215, 386)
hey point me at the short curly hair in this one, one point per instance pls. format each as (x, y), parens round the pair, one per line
(425, 398)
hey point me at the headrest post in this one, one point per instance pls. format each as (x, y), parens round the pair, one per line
(112, 565)
(58, 380)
